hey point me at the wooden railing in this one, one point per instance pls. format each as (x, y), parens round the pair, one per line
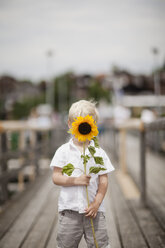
(21, 149)
(144, 130)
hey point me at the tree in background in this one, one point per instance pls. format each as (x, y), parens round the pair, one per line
(98, 92)
(63, 93)
(23, 108)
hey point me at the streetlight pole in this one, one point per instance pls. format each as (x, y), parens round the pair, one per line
(49, 85)
(156, 76)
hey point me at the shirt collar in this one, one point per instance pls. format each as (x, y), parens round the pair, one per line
(91, 143)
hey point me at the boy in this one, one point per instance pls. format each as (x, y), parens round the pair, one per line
(74, 213)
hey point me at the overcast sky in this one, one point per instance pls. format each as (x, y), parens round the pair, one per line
(86, 36)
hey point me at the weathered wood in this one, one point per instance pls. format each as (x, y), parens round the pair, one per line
(51, 243)
(37, 222)
(4, 188)
(18, 231)
(155, 171)
(122, 157)
(154, 202)
(128, 229)
(39, 233)
(112, 228)
(28, 155)
(143, 167)
(159, 124)
(158, 210)
(15, 207)
(154, 235)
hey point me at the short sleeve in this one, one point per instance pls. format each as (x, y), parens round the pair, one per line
(107, 163)
(59, 158)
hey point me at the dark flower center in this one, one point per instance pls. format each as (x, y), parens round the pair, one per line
(84, 128)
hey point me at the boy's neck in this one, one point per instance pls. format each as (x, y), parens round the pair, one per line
(80, 144)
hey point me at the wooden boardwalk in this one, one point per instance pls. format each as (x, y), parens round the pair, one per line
(155, 168)
(30, 220)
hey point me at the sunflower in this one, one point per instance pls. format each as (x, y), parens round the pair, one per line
(84, 128)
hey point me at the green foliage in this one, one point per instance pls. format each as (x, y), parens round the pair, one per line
(85, 158)
(63, 95)
(97, 92)
(22, 109)
(99, 160)
(96, 170)
(92, 150)
(68, 169)
(14, 141)
(96, 142)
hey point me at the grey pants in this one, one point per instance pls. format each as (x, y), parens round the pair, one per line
(72, 226)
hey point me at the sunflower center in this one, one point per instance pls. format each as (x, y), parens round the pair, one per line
(84, 128)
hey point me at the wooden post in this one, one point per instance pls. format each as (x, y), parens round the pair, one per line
(122, 157)
(143, 166)
(3, 151)
(21, 181)
(22, 140)
(34, 154)
(114, 144)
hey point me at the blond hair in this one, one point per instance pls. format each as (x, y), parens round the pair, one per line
(83, 108)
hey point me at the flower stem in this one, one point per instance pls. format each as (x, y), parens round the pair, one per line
(92, 225)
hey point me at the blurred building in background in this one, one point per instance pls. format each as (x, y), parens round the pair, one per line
(116, 88)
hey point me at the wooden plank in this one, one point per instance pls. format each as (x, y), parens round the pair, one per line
(122, 149)
(143, 167)
(159, 124)
(128, 186)
(154, 201)
(152, 232)
(39, 233)
(18, 231)
(82, 243)
(158, 210)
(113, 234)
(129, 232)
(14, 208)
(51, 243)
(155, 177)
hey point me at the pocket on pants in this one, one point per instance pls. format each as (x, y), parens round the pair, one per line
(65, 239)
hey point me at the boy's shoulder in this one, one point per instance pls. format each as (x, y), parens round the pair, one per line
(63, 147)
(101, 152)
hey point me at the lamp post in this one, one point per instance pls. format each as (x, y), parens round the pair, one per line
(49, 85)
(156, 76)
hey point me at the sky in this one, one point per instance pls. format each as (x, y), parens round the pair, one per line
(88, 36)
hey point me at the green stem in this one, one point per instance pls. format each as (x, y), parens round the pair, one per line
(92, 225)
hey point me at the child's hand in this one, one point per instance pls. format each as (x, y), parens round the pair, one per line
(91, 211)
(83, 180)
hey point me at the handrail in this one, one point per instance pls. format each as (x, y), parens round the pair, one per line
(33, 143)
(143, 128)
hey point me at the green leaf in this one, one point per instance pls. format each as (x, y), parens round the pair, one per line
(92, 150)
(96, 142)
(69, 131)
(96, 170)
(85, 158)
(99, 160)
(68, 169)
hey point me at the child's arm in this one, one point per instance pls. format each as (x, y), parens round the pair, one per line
(62, 180)
(91, 211)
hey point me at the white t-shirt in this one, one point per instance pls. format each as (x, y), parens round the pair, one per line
(74, 197)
